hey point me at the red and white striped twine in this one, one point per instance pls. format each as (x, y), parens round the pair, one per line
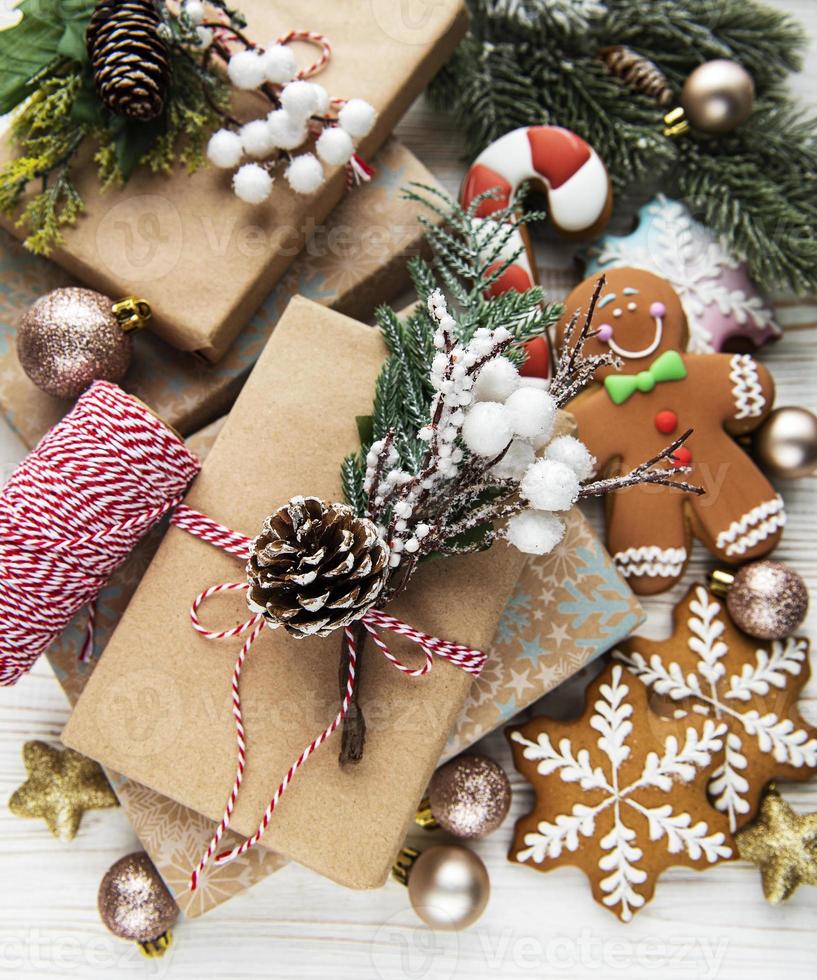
(74, 509)
(311, 37)
(211, 531)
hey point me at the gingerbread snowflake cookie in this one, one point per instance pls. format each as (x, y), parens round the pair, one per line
(620, 793)
(659, 394)
(710, 669)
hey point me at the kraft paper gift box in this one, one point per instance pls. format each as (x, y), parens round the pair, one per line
(156, 708)
(566, 609)
(352, 263)
(202, 258)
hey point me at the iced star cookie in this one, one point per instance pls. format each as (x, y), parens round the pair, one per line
(620, 793)
(658, 395)
(710, 669)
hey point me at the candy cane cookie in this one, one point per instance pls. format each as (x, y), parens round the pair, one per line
(579, 199)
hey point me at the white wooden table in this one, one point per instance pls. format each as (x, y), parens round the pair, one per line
(296, 924)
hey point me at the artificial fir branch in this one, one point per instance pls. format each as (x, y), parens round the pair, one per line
(437, 490)
(527, 62)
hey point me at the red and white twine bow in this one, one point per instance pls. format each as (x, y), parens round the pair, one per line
(237, 544)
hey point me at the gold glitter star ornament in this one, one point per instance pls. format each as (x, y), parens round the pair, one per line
(61, 786)
(783, 845)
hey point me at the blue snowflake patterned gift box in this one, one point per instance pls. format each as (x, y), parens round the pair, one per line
(568, 608)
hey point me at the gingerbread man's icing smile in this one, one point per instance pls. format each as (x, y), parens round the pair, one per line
(629, 305)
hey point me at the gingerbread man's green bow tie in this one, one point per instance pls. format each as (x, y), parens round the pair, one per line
(668, 367)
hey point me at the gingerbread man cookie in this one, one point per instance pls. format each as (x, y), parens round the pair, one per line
(712, 669)
(660, 393)
(620, 793)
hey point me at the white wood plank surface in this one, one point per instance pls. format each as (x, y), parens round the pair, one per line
(296, 924)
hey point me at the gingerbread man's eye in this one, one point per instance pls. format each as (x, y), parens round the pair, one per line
(658, 310)
(631, 307)
(605, 332)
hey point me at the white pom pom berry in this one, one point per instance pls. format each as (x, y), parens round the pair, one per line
(225, 149)
(322, 99)
(549, 485)
(279, 64)
(531, 411)
(305, 174)
(246, 69)
(299, 99)
(357, 117)
(487, 429)
(286, 133)
(534, 532)
(573, 453)
(496, 381)
(252, 183)
(335, 146)
(256, 139)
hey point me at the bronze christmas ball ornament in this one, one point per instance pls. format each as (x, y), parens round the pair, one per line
(716, 98)
(448, 885)
(765, 599)
(785, 445)
(469, 796)
(72, 336)
(135, 904)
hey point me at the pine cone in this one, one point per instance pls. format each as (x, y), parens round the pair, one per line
(638, 72)
(129, 58)
(316, 567)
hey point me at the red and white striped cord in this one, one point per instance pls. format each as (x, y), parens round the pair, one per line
(73, 510)
(310, 37)
(204, 527)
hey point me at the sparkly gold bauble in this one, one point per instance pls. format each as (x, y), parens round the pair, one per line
(69, 338)
(718, 96)
(448, 887)
(783, 845)
(785, 445)
(135, 903)
(469, 796)
(61, 785)
(766, 599)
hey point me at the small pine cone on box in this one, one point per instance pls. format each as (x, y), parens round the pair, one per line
(129, 58)
(316, 567)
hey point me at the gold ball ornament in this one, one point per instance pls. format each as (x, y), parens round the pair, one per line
(785, 445)
(448, 885)
(766, 599)
(469, 796)
(718, 96)
(73, 336)
(135, 904)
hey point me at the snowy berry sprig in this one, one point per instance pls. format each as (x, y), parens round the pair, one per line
(493, 467)
(301, 112)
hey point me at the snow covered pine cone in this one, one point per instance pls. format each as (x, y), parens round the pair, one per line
(316, 567)
(129, 58)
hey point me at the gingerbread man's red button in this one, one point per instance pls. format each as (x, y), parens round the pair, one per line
(681, 457)
(666, 422)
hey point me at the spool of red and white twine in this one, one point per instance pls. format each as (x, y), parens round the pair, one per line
(74, 509)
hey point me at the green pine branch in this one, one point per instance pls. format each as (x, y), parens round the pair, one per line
(528, 62)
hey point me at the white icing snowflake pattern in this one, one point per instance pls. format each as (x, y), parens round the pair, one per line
(683, 251)
(734, 693)
(638, 822)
